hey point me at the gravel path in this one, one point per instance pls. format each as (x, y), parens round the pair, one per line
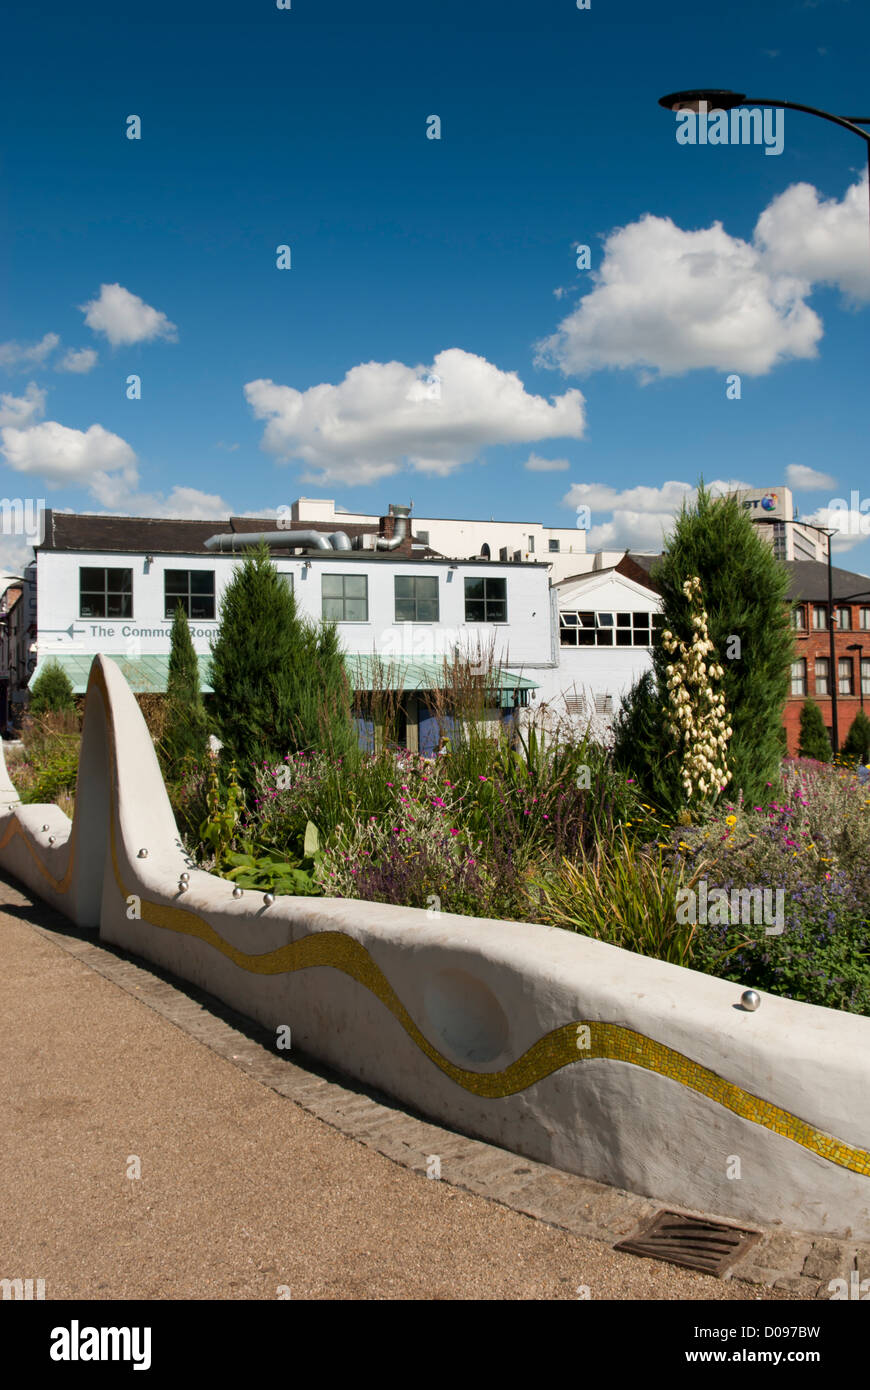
(242, 1194)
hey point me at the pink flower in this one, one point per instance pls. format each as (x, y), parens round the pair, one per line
(454, 832)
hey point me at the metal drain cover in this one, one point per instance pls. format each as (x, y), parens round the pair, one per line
(690, 1241)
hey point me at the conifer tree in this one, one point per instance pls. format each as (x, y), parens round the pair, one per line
(279, 681)
(744, 589)
(814, 740)
(857, 744)
(51, 691)
(186, 731)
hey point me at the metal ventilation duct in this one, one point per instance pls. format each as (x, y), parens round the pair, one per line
(310, 540)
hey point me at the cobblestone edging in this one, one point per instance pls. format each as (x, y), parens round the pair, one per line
(795, 1262)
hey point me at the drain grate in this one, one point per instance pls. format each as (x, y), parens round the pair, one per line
(690, 1241)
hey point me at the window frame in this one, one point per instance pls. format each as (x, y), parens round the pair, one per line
(820, 617)
(841, 626)
(416, 599)
(186, 599)
(106, 570)
(845, 672)
(799, 676)
(822, 679)
(486, 580)
(345, 597)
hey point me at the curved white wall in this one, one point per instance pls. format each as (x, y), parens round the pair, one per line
(604, 1063)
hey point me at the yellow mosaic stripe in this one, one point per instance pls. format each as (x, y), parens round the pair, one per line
(580, 1041)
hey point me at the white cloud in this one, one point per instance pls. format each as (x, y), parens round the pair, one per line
(851, 525)
(64, 455)
(535, 464)
(639, 517)
(78, 360)
(22, 411)
(385, 414)
(125, 318)
(821, 240)
(15, 553)
(666, 301)
(19, 355)
(804, 479)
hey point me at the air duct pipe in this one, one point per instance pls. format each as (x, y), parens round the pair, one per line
(401, 514)
(290, 540)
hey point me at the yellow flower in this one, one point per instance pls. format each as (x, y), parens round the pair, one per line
(730, 820)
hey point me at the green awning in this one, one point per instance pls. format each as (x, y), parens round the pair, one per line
(426, 673)
(145, 674)
(149, 674)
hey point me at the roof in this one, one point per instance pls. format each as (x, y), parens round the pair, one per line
(166, 536)
(808, 579)
(149, 674)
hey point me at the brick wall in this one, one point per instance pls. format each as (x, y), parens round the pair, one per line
(809, 644)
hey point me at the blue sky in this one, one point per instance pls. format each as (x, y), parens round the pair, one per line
(454, 256)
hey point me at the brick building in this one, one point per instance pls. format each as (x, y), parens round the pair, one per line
(811, 675)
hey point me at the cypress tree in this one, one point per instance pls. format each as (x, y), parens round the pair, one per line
(857, 744)
(814, 738)
(279, 681)
(186, 725)
(744, 588)
(51, 691)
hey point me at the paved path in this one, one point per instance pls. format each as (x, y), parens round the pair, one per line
(241, 1190)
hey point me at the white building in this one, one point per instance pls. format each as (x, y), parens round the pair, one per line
(111, 584)
(562, 547)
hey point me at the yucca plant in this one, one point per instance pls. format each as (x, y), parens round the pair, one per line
(622, 894)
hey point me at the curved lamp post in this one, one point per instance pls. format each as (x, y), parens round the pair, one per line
(720, 99)
(715, 99)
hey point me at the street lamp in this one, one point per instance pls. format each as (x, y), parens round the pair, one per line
(716, 99)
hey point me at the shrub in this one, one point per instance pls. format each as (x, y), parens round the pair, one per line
(814, 740)
(185, 733)
(52, 691)
(47, 771)
(623, 894)
(857, 744)
(279, 682)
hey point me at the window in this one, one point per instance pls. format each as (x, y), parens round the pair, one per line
(865, 619)
(553, 547)
(531, 545)
(844, 619)
(822, 675)
(193, 589)
(502, 554)
(485, 553)
(865, 675)
(422, 537)
(799, 677)
(578, 629)
(604, 626)
(820, 617)
(288, 580)
(486, 600)
(416, 598)
(845, 676)
(345, 598)
(798, 618)
(105, 593)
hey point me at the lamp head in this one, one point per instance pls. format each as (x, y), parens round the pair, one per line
(715, 99)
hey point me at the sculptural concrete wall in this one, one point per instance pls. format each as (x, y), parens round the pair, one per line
(601, 1062)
